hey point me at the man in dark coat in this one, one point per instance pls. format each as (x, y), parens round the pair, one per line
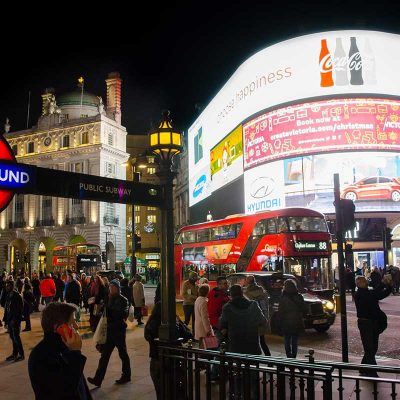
(117, 309)
(240, 320)
(60, 285)
(56, 363)
(36, 291)
(371, 319)
(13, 312)
(73, 291)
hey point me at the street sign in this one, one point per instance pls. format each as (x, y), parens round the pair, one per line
(6, 154)
(24, 178)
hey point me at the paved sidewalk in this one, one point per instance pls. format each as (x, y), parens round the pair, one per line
(15, 383)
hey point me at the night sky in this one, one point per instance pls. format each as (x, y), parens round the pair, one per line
(176, 57)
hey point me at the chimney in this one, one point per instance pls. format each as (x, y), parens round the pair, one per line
(48, 92)
(113, 109)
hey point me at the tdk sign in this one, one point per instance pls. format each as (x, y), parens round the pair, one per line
(199, 186)
(16, 176)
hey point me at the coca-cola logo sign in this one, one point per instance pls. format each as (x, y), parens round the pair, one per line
(343, 63)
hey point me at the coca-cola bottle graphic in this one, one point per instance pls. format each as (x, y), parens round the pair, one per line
(325, 65)
(340, 64)
(355, 63)
(369, 64)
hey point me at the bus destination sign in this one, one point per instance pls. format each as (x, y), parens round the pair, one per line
(311, 245)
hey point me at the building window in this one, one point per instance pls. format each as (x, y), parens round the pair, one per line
(151, 170)
(137, 220)
(152, 218)
(30, 148)
(47, 204)
(65, 117)
(110, 139)
(150, 160)
(84, 115)
(19, 208)
(151, 208)
(76, 167)
(110, 170)
(77, 208)
(137, 208)
(65, 141)
(85, 138)
(15, 149)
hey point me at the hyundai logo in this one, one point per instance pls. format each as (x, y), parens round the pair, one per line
(261, 187)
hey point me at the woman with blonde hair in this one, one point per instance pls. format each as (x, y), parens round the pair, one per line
(202, 320)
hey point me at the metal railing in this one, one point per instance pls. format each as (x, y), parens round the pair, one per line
(75, 220)
(110, 220)
(17, 224)
(45, 222)
(189, 373)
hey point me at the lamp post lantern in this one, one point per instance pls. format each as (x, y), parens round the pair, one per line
(166, 142)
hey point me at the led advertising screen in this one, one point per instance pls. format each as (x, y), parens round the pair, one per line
(327, 65)
(322, 126)
(371, 179)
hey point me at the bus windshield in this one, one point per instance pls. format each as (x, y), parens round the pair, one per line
(302, 224)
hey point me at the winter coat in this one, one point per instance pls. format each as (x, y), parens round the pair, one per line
(47, 287)
(36, 286)
(138, 294)
(13, 309)
(367, 301)
(375, 279)
(73, 292)
(242, 318)
(117, 310)
(56, 372)
(60, 285)
(217, 298)
(258, 294)
(190, 292)
(202, 320)
(291, 311)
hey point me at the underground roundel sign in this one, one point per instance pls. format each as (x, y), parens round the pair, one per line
(6, 154)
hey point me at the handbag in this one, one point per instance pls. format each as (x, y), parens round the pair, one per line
(145, 311)
(100, 334)
(382, 322)
(210, 342)
(131, 315)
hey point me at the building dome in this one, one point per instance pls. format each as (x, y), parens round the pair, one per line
(75, 97)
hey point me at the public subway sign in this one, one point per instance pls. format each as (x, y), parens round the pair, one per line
(24, 178)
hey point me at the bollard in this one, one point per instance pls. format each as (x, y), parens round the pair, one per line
(337, 303)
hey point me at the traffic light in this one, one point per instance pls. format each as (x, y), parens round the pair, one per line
(347, 209)
(388, 238)
(104, 256)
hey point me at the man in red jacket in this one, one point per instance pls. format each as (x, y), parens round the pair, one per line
(48, 289)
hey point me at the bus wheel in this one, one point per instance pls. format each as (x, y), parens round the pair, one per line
(322, 328)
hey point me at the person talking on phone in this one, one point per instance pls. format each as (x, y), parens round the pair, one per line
(56, 363)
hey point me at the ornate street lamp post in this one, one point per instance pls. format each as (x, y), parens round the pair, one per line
(166, 142)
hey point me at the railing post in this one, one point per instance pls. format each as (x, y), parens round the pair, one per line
(310, 380)
(222, 372)
(280, 382)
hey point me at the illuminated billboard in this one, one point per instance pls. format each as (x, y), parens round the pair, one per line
(372, 179)
(322, 126)
(295, 101)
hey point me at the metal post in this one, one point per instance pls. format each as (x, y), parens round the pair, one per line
(133, 258)
(342, 280)
(167, 331)
(385, 247)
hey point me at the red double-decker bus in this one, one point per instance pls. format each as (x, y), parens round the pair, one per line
(291, 240)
